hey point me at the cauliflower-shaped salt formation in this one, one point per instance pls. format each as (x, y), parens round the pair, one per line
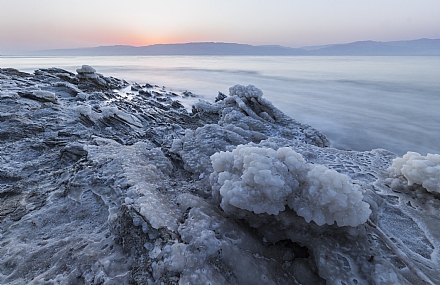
(330, 197)
(263, 180)
(418, 169)
(245, 91)
(257, 179)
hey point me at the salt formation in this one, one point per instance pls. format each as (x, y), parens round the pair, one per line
(246, 111)
(103, 184)
(87, 74)
(242, 117)
(331, 197)
(257, 179)
(263, 180)
(45, 96)
(86, 71)
(39, 95)
(418, 169)
(197, 145)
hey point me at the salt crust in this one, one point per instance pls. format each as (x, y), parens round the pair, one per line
(243, 117)
(418, 169)
(86, 71)
(46, 95)
(263, 180)
(190, 237)
(246, 109)
(107, 111)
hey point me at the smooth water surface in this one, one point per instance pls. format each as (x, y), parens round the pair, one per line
(360, 103)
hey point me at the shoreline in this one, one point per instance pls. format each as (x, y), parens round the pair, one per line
(362, 104)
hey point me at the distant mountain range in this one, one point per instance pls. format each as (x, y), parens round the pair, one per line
(361, 48)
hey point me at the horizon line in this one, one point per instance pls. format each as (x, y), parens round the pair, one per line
(312, 49)
(222, 42)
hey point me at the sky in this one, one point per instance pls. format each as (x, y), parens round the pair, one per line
(27, 25)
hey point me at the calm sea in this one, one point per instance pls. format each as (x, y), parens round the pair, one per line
(360, 103)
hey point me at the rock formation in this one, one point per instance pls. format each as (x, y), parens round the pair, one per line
(103, 182)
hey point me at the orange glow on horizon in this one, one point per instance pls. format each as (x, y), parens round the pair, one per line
(145, 40)
(54, 24)
(136, 39)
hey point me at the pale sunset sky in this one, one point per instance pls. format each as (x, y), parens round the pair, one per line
(49, 24)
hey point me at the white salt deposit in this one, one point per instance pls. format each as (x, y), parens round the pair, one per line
(330, 197)
(85, 110)
(249, 91)
(45, 95)
(262, 180)
(257, 179)
(418, 169)
(109, 111)
(196, 146)
(86, 71)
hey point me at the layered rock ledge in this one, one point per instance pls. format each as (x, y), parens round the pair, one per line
(106, 182)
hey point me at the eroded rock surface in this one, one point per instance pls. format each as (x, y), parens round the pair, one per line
(103, 182)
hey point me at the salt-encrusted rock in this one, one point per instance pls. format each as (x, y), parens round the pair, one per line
(45, 96)
(88, 74)
(39, 95)
(246, 108)
(86, 71)
(188, 94)
(197, 146)
(57, 75)
(136, 87)
(73, 151)
(14, 73)
(70, 88)
(220, 97)
(113, 188)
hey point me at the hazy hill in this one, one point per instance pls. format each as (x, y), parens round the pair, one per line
(361, 48)
(414, 47)
(179, 49)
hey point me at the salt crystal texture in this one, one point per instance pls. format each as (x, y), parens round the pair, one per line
(111, 187)
(262, 180)
(418, 169)
(86, 71)
(45, 95)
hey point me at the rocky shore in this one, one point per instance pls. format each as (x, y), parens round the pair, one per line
(108, 182)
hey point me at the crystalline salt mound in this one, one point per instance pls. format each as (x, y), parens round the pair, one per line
(262, 180)
(418, 169)
(330, 197)
(245, 91)
(257, 179)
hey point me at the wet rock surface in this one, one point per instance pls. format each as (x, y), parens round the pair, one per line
(106, 182)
